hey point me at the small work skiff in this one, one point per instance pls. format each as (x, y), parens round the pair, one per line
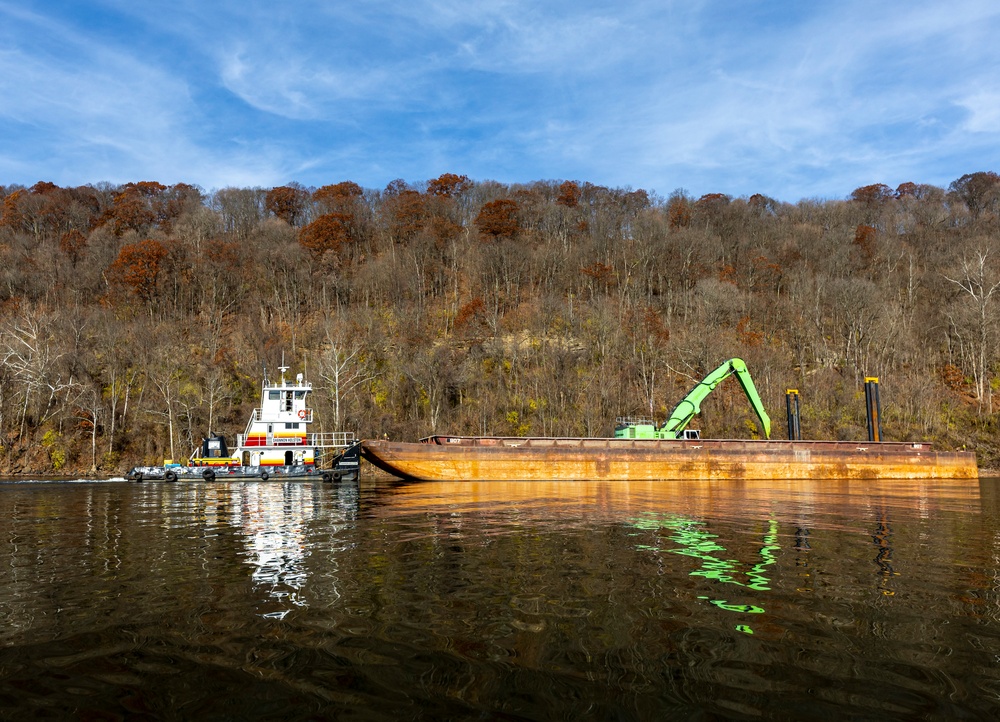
(277, 444)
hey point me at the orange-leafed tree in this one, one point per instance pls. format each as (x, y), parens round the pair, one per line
(874, 194)
(569, 194)
(864, 241)
(328, 233)
(470, 318)
(712, 201)
(678, 211)
(138, 268)
(448, 185)
(287, 203)
(11, 215)
(132, 208)
(44, 188)
(341, 200)
(498, 219)
(337, 194)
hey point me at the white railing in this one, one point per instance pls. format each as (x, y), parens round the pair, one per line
(335, 439)
(634, 421)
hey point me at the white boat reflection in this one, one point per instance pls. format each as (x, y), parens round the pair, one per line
(275, 521)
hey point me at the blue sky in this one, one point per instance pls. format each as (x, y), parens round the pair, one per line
(790, 99)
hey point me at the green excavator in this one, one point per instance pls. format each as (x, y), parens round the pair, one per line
(676, 424)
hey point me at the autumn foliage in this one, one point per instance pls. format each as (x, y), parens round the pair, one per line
(287, 203)
(327, 234)
(137, 268)
(458, 306)
(498, 219)
(448, 185)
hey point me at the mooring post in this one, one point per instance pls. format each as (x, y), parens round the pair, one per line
(792, 410)
(874, 406)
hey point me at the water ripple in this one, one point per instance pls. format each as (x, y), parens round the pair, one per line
(511, 601)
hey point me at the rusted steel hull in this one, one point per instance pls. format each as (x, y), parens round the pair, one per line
(465, 458)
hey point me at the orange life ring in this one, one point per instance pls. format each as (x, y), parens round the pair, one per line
(303, 413)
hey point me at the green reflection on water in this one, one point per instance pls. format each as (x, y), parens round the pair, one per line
(696, 541)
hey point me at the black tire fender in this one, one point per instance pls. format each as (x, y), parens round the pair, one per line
(264, 476)
(327, 477)
(170, 476)
(208, 475)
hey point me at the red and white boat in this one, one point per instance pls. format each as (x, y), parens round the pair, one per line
(277, 444)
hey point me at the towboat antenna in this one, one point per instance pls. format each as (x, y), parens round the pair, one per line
(283, 368)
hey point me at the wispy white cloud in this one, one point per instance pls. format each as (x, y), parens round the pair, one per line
(984, 111)
(786, 98)
(95, 111)
(819, 105)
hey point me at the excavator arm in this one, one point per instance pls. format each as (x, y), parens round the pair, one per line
(690, 405)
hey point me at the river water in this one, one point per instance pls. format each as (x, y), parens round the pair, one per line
(501, 601)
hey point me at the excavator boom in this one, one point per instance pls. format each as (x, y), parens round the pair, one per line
(690, 405)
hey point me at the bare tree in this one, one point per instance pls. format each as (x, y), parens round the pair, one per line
(977, 278)
(42, 386)
(90, 411)
(341, 366)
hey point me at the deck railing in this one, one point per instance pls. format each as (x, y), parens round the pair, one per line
(335, 439)
(634, 421)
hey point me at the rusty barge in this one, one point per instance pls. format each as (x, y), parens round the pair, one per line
(642, 450)
(476, 458)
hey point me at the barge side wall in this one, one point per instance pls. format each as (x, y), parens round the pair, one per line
(531, 460)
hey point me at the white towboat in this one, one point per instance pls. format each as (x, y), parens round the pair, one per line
(277, 444)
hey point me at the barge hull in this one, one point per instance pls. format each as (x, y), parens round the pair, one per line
(464, 458)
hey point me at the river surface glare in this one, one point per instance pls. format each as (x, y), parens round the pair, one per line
(502, 601)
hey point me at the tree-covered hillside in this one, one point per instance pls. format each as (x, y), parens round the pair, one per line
(136, 318)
